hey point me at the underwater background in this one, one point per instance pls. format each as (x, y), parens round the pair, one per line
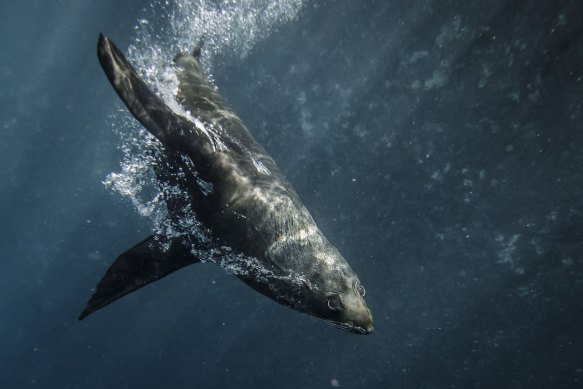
(438, 145)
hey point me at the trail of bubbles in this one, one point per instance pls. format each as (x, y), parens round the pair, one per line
(231, 27)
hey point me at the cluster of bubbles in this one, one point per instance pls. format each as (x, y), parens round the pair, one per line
(231, 28)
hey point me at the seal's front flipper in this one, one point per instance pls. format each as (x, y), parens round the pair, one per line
(143, 264)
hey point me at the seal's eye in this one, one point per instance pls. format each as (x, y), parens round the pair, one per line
(334, 303)
(361, 290)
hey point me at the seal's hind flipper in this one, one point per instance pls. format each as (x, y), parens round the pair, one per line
(198, 48)
(172, 130)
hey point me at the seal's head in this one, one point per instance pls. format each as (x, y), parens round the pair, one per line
(348, 310)
(334, 293)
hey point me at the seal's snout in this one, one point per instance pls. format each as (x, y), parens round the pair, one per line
(369, 329)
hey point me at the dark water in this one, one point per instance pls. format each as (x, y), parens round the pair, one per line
(438, 144)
